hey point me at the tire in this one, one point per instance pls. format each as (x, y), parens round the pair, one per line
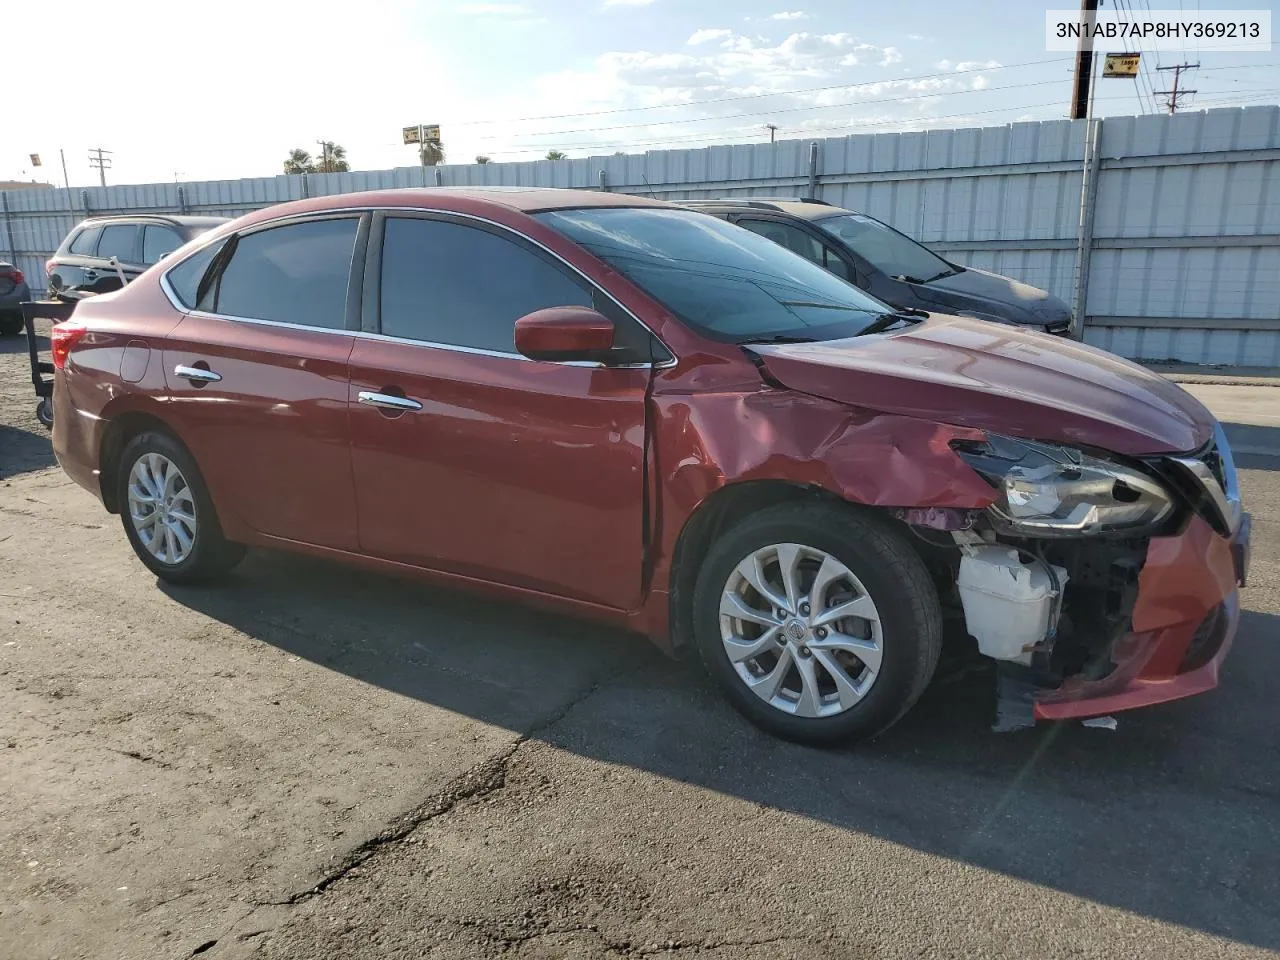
(11, 324)
(44, 412)
(194, 549)
(903, 620)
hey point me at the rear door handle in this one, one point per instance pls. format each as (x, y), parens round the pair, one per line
(196, 374)
(388, 401)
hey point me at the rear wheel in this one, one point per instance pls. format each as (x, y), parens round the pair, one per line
(11, 323)
(167, 514)
(820, 623)
(44, 412)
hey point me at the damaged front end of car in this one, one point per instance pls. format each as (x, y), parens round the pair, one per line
(1097, 582)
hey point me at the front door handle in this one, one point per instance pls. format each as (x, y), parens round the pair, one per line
(196, 374)
(388, 401)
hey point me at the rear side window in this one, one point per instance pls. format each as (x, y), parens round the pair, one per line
(118, 240)
(462, 286)
(292, 274)
(86, 241)
(158, 241)
(184, 279)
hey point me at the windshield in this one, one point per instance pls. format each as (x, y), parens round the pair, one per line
(725, 282)
(885, 248)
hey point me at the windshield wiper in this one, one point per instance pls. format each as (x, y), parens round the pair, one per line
(939, 276)
(821, 304)
(779, 338)
(887, 320)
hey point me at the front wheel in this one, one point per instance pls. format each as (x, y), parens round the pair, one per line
(818, 621)
(167, 514)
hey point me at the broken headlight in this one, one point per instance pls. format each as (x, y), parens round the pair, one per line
(1046, 490)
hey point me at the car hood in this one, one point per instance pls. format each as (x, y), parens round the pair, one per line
(1002, 379)
(984, 292)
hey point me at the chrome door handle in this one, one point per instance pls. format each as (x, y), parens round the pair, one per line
(195, 373)
(388, 401)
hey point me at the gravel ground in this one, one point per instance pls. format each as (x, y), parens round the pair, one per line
(313, 762)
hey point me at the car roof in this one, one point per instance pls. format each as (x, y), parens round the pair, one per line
(805, 209)
(473, 200)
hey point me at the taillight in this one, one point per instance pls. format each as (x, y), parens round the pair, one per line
(62, 338)
(16, 274)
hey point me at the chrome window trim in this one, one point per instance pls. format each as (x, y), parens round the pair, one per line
(456, 348)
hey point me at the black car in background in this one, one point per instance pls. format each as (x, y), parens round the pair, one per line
(13, 290)
(889, 265)
(82, 266)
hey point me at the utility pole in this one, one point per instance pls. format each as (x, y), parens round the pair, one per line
(66, 181)
(100, 162)
(1175, 93)
(773, 132)
(324, 155)
(1084, 62)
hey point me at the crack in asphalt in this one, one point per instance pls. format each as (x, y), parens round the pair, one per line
(480, 780)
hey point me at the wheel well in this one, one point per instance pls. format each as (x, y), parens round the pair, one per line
(121, 430)
(720, 512)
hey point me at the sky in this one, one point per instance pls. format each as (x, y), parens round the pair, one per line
(186, 90)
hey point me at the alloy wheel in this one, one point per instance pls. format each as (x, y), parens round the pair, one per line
(162, 508)
(800, 630)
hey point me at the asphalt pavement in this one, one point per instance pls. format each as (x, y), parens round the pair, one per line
(310, 761)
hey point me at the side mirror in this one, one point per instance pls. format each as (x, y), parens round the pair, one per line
(564, 333)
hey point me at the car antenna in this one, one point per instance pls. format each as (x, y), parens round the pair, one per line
(652, 195)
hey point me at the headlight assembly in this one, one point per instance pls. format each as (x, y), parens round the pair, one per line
(1045, 490)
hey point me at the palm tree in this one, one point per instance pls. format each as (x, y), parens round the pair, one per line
(334, 159)
(299, 161)
(482, 159)
(431, 153)
(556, 155)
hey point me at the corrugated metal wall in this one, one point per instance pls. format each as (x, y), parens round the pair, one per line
(1185, 249)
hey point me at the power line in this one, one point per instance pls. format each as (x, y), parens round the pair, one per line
(750, 96)
(770, 112)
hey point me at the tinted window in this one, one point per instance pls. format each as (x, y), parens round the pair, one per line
(118, 241)
(784, 234)
(185, 278)
(459, 285)
(157, 241)
(723, 281)
(292, 274)
(885, 248)
(85, 242)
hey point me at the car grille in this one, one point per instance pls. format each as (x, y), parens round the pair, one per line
(1209, 479)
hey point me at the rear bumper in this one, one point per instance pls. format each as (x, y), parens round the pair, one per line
(76, 438)
(1184, 623)
(14, 299)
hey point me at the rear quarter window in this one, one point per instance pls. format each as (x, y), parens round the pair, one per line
(184, 279)
(85, 242)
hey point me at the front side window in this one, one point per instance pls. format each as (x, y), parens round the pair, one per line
(158, 241)
(725, 282)
(118, 241)
(886, 249)
(297, 273)
(453, 284)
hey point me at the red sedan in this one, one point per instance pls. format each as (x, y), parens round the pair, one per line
(621, 409)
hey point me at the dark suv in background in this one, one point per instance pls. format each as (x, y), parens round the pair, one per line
(13, 290)
(82, 265)
(889, 265)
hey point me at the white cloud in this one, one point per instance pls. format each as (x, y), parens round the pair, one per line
(980, 82)
(789, 15)
(965, 66)
(492, 9)
(627, 3)
(890, 55)
(705, 36)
